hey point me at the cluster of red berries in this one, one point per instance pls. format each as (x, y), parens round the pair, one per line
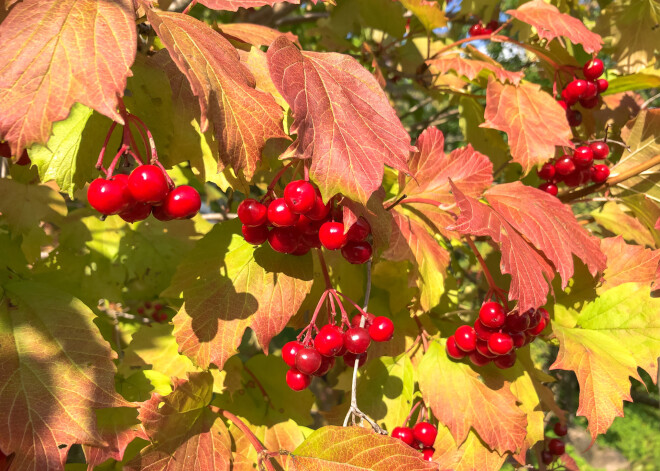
(5, 151)
(556, 447)
(317, 358)
(586, 92)
(577, 169)
(300, 221)
(145, 191)
(496, 335)
(155, 311)
(421, 437)
(481, 29)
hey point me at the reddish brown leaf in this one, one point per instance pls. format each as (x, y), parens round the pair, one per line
(530, 117)
(256, 35)
(243, 118)
(470, 68)
(53, 54)
(118, 427)
(343, 120)
(551, 23)
(628, 263)
(233, 5)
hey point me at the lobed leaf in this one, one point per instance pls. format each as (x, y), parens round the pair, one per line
(471, 68)
(118, 427)
(429, 13)
(614, 219)
(254, 34)
(628, 263)
(473, 454)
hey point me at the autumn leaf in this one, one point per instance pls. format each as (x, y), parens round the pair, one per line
(254, 34)
(550, 23)
(343, 120)
(470, 68)
(604, 344)
(118, 427)
(233, 5)
(229, 285)
(281, 436)
(378, 218)
(185, 434)
(429, 13)
(461, 401)
(473, 454)
(614, 219)
(531, 118)
(56, 369)
(22, 207)
(54, 54)
(628, 263)
(243, 117)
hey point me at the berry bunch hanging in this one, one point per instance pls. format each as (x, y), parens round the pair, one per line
(584, 91)
(555, 446)
(420, 437)
(479, 28)
(495, 336)
(154, 310)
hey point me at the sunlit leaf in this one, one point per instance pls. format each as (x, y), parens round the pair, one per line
(613, 218)
(628, 263)
(429, 13)
(118, 427)
(470, 68)
(257, 35)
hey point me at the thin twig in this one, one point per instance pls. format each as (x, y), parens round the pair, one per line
(649, 101)
(254, 441)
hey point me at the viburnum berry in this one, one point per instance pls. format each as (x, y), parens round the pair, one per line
(290, 350)
(478, 359)
(547, 457)
(308, 360)
(311, 240)
(546, 172)
(535, 331)
(329, 340)
(297, 380)
(159, 213)
(320, 210)
(583, 157)
(482, 331)
(493, 25)
(147, 184)
(357, 340)
(350, 359)
(482, 347)
(476, 29)
(492, 314)
(300, 196)
(326, 365)
(565, 165)
(159, 316)
(518, 339)
(574, 118)
(136, 212)
(591, 91)
(452, 349)
(500, 343)
(427, 453)
(355, 321)
(534, 317)
(576, 89)
(357, 252)
(504, 362)
(359, 230)
(280, 215)
(332, 235)
(599, 173)
(381, 329)
(255, 235)
(405, 434)
(425, 433)
(516, 323)
(183, 202)
(602, 85)
(556, 447)
(560, 429)
(283, 239)
(563, 104)
(466, 338)
(550, 188)
(600, 150)
(108, 196)
(589, 103)
(301, 250)
(593, 69)
(252, 213)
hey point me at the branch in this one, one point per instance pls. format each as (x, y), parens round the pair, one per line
(260, 449)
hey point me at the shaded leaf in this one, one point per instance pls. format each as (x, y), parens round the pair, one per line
(233, 5)
(378, 218)
(53, 56)
(250, 33)
(470, 68)
(429, 13)
(613, 218)
(628, 263)
(487, 141)
(647, 211)
(22, 207)
(118, 427)
(343, 120)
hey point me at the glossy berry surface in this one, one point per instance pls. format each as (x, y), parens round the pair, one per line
(351, 358)
(591, 91)
(355, 321)
(280, 215)
(136, 212)
(425, 433)
(329, 340)
(357, 340)
(556, 447)
(300, 196)
(381, 329)
(148, 184)
(593, 69)
(516, 323)
(589, 103)
(549, 188)
(536, 330)
(560, 429)
(583, 157)
(602, 85)
(319, 211)
(252, 213)
(297, 380)
(576, 90)
(600, 150)
(500, 344)
(491, 314)
(290, 350)
(331, 235)
(518, 339)
(308, 360)
(183, 202)
(505, 362)
(476, 30)
(478, 359)
(574, 118)
(405, 434)
(599, 173)
(547, 457)
(452, 349)
(326, 365)
(482, 331)
(427, 453)
(565, 165)
(546, 172)
(359, 230)
(482, 347)
(283, 239)
(357, 252)
(255, 235)
(466, 338)
(108, 196)
(159, 213)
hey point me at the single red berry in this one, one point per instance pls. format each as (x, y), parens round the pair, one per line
(297, 380)
(593, 69)
(136, 212)
(351, 358)
(158, 306)
(329, 340)
(563, 104)
(405, 434)
(482, 348)
(357, 252)
(108, 196)
(381, 329)
(536, 331)
(576, 89)
(301, 250)
(518, 339)
(452, 349)
(300, 196)
(183, 202)
(355, 321)
(556, 447)
(505, 362)
(305, 225)
(332, 235)
(427, 453)
(357, 340)
(550, 188)
(565, 165)
(492, 314)
(500, 343)
(308, 360)
(599, 173)
(280, 215)
(574, 118)
(583, 157)
(290, 350)
(425, 433)
(482, 331)
(147, 184)
(476, 30)
(359, 230)
(544, 314)
(600, 149)
(283, 239)
(516, 322)
(311, 240)
(561, 429)
(159, 213)
(159, 316)
(591, 92)
(486, 31)
(320, 210)
(568, 98)
(534, 317)
(602, 85)
(255, 235)
(493, 25)
(326, 365)
(547, 457)
(478, 359)
(252, 213)
(589, 103)
(466, 338)
(547, 172)
(5, 150)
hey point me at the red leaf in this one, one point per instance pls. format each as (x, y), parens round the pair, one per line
(470, 68)
(551, 23)
(628, 263)
(243, 118)
(343, 120)
(118, 427)
(53, 54)
(257, 35)
(529, 225)
(531, 118)
(233, 5)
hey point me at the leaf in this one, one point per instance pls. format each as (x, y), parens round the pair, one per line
(354, 449)
(461, 401)
(374, 212)
(53, 56)
(550, 23)
(638, 81)
(472, 455)
(243, 118)
(233, 5)
(628, 263)
(343, 119)
(22, 207)
(487, 141)
(185, 434)
(613, 218)
(604, 344)
(647, 211)
(531, 118)
(429, 13)
(229, 285)
(250, 33)
(118, 427)
(537, 234)
(56, 370)
(281, 436)
(470, 68)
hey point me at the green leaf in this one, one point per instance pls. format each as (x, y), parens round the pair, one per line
(626, 83)
(22, 207)
(647, 211)
(430, 14)
(119, 427)
(613, 218)
(487, 141)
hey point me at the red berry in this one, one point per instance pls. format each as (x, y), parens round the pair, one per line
(136, 212)
(350, 358)
(550, 188)
(252, 213)
(466, 338)
(305, 225)
(405, 434)
(516, 322)
(355, 321)
(320, 210)
(535, 331)
(297, 380)
(280, 215)
(159, 316)
(148, 184)
(183, 202)
(561, 429)
(583, 157)
(547, 172)
(600, 149)
(255, 235)
(159, 213)
(565, 165)
(326, 365)
(300, 196)
(283, 239)
(505, 362)
(589, 103)
(593, 69)
(482, 331)
(427, 453)
(359, 230)
(544, 314)
(534, 317)
(482, 348)
(547, 457)
(5, 150)
(301, 250)
(591, 92)
(602, 85)
(563, 104)
(329, 340)
(357, 340)
(452, 349)
(332, 235)
(518, 339)
(425, 433)
(290, 350)
(576, 89)
(308, 360)
(357, 252)
(486, 31)
(599, 173)
(568, 98)
(500, 344)
(381, 329)
(24, 159)
(476, 30)
(556, 447)
(108, 196)
(492, 314)
(574, 118)
(493, 25)
(478, 359)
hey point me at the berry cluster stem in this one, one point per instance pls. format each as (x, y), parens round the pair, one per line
(489, 278)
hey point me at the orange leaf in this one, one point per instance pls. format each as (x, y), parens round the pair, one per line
(470, 68)
(257, 35)
(628, 263)
(53, 54)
